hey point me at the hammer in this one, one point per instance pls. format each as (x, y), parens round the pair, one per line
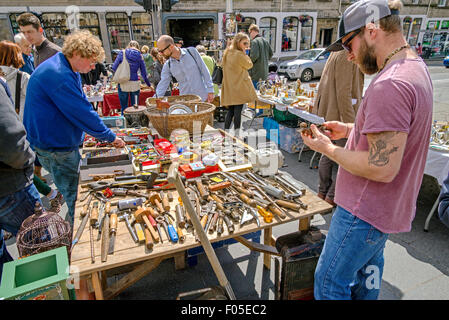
(141, 216)
(155, 199)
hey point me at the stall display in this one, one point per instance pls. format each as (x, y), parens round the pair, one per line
(440, 136)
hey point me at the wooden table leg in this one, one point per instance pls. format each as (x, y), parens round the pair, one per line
(304, 224)
(180, 260)
(96, 283)
(267, 236)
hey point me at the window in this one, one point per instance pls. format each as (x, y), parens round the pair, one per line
(267, 29)
(142, 28)
(306, 32)
(416, 26)
(415, 1)
(441, 3)
(89, 21)
(5, 32)
(13, 19)
(243, 26)
(290, 34)
(55, 26)
(406, 23)
(118, 29)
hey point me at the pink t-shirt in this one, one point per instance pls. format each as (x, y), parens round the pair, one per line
(399, 98)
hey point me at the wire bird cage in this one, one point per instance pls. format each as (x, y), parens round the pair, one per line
(43, 231)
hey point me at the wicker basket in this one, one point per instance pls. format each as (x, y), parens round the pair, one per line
(151, 102)
(165, 124)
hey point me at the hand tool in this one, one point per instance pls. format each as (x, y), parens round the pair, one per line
(275, 192)
(85, 210)
(105, 238)
(154, 234)
(80, 230)
(171, 233)
(219, 186)
(170, 196)
(100, 176)
(249, 213)
(155, 199)
(220, 223)
(112, 231)
(180, 215)
(141, 215)
(143, 176)
(94, 214)
(213, 224)
(148, 238)
(101, 216)
(248, 201)
(201, 189)
(238, 185)
(92, 246)
(289, 205)
(267, 215)
(164, 200)
(88, 194)
(125, 216)
(128, 203)
(178, 230)
(174, 177)
(229, 224)
(139, 232)
(296, 186)
(280, 212)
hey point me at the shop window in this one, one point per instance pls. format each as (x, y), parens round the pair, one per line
(416, 26)
(441, 3)
(290, 34)
(5, 33)
(243, 25)
(406, 23)
(118, 29)
(89, 21)
(306, 32)
(445, 25)
(142, 28)
(267, 30)
(13, 21)
(55, 26)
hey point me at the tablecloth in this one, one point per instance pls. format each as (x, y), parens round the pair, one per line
(111, 101)
(437, 165)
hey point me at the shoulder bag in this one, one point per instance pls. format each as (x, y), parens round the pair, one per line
(122, 74)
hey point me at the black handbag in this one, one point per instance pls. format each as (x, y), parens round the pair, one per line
(217, 75)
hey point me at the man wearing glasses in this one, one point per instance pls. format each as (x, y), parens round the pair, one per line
(382, 164)
(57, 112)
(186, 65)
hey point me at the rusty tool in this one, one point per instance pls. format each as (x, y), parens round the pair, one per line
(220, 186)
(179, 211)
(201, 188)
(80, 230)
(289, 205)
(280, 212)
(112, 231)
(220, 223)
(229, 223)
(213, 224)
(105, 238)
(125, 216)
(86, 205)
(92, 245)
(100, 176)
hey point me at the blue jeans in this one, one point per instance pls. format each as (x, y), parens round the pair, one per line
(351, 263)
(14, 209)
(255, 84)
(64, 169)
(124, 98)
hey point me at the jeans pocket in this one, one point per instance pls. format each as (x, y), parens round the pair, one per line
(374, 236)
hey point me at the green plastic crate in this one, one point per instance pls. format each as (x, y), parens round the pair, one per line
(42, 276)
(281, 116)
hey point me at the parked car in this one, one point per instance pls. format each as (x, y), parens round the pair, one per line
(446, 62)
(308, 65)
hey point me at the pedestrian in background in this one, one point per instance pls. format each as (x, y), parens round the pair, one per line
(147, 58)
(25, 47)
(338, 99)
(237, 88)
(260, 54)
(131, 89)
(209, 61)
(156, 70)
(385, 154)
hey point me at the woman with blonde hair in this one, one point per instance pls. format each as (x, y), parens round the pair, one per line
(237, 88)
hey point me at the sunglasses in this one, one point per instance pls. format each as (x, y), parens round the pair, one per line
(160, 51)
(346, 45)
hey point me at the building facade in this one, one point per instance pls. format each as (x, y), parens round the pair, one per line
(289, 25)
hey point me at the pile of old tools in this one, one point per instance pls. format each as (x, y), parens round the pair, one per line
(152, 216)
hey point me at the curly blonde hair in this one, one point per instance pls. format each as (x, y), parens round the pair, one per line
(85, 44)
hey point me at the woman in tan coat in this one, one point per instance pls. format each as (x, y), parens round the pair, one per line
(237, 88)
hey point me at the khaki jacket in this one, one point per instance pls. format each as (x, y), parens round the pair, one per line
(340, 90)
(237, 87)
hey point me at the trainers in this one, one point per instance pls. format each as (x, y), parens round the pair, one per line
(56, 203)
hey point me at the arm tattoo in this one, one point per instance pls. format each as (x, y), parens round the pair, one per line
(381, 148)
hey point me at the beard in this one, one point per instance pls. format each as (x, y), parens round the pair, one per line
(367, 59)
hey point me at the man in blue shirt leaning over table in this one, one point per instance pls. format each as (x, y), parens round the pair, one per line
(57, 112)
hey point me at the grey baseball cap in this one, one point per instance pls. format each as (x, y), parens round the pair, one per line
(358, 15)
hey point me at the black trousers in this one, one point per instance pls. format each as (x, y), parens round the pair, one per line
(236, 113)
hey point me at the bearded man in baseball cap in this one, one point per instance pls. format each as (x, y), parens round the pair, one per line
(381, 167)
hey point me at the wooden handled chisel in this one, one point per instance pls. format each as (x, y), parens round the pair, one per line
(112, 231)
